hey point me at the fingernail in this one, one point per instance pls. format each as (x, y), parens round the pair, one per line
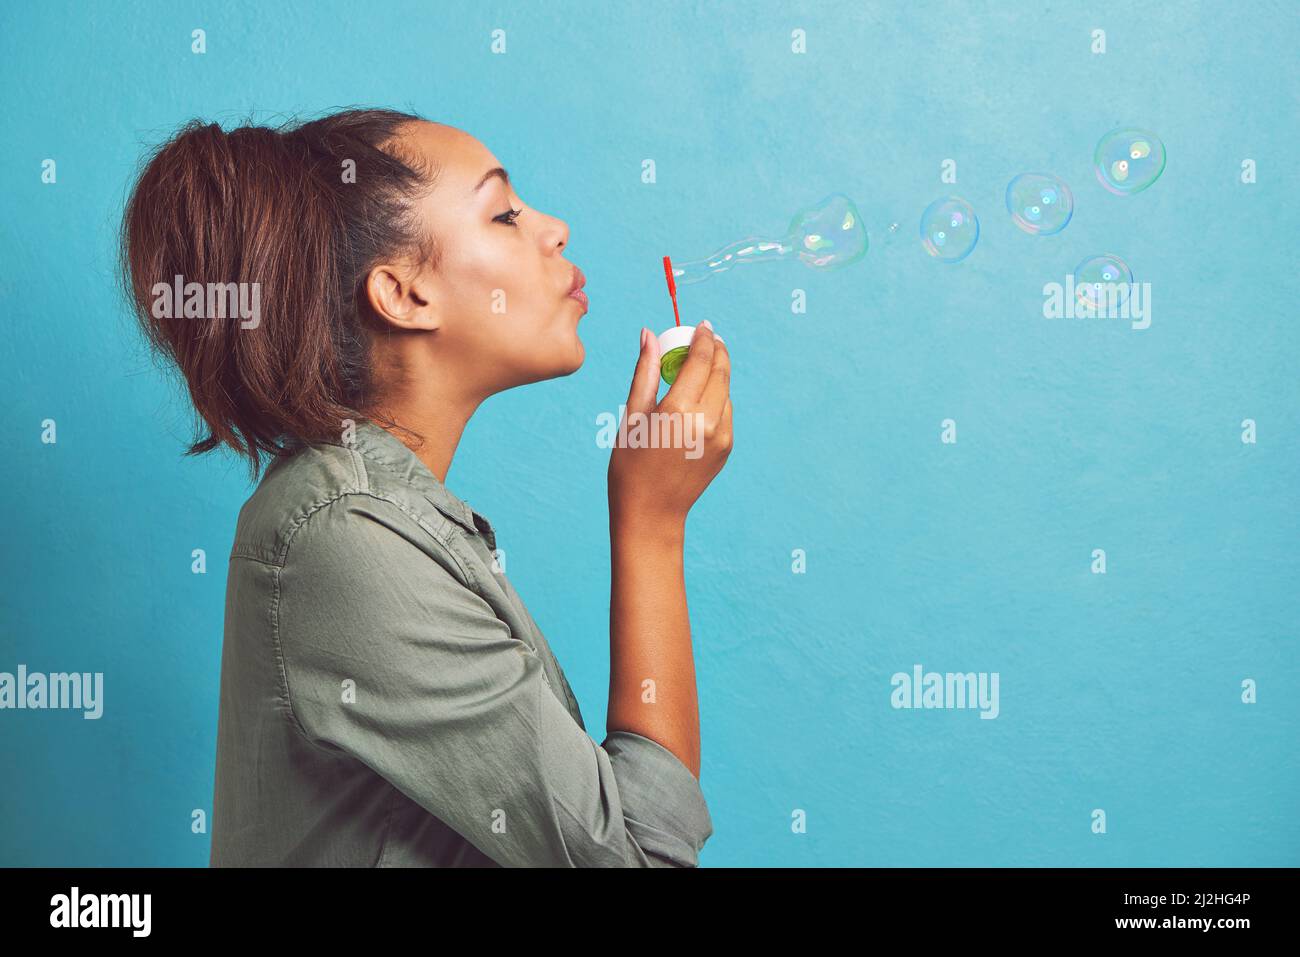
(707, 325)
(645, 337)
(720, 339)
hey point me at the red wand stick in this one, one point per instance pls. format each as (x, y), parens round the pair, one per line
(672, 287)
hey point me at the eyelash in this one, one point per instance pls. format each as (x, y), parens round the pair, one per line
(509, 218)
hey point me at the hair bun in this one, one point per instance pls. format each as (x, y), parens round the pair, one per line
(266, 213)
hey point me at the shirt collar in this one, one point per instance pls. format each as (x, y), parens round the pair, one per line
(382, 447)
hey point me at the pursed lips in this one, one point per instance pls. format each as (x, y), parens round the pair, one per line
(575, 289)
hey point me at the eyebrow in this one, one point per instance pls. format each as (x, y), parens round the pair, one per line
(495, 171)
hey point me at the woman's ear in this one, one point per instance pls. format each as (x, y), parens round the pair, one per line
(403, 296)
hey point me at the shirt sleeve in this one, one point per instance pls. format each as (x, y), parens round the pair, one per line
(391, 658)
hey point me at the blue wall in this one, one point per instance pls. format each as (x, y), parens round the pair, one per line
(1119, 691)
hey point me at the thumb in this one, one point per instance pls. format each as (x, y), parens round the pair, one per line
(645, 380)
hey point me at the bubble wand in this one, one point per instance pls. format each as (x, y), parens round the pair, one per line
(672, 287)
(676, 342)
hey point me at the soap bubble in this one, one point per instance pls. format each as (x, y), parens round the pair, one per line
(1129, 160)
(826, 236)
(1039, 203)
(1099, 280)
(949, 229)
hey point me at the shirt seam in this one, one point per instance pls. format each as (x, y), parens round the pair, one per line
(278, 568)
(359, 469)
(388, 823)
(292, 529)
(298, 523)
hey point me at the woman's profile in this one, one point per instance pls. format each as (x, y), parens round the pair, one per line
(386, 698)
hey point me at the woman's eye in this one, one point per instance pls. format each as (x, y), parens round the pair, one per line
(509, 218)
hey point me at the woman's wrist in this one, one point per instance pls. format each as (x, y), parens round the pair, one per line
(628, 523)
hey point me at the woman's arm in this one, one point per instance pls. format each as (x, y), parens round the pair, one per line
(652, 668)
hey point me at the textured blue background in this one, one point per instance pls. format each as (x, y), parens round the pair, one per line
(1118, 692)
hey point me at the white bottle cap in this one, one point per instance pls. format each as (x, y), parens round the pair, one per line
(674, 338)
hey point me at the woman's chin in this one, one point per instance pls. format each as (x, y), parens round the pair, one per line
(561, 365)
(574, 360)
(580, 354)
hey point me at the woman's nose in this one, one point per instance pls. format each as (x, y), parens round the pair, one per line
(557, 233)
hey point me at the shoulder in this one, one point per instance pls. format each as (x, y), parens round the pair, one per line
(334, 496)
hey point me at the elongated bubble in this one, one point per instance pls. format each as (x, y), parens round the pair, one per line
(829, 235)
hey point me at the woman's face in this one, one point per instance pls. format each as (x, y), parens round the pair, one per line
(500, 294)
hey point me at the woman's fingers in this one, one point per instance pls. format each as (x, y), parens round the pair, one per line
(645, 380)
(689, 385)
(717, 390)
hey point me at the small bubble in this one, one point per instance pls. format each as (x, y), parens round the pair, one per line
(1127, 161)
(1100, 279)
(949, 229)
(1039, 203)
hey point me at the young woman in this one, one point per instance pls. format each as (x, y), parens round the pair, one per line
(386, 699)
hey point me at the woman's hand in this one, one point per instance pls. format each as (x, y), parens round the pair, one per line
(650, 491)
(653, 488)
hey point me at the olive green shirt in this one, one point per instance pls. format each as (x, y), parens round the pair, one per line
(387, 700)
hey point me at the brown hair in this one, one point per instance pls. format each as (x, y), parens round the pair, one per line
(300, 213)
